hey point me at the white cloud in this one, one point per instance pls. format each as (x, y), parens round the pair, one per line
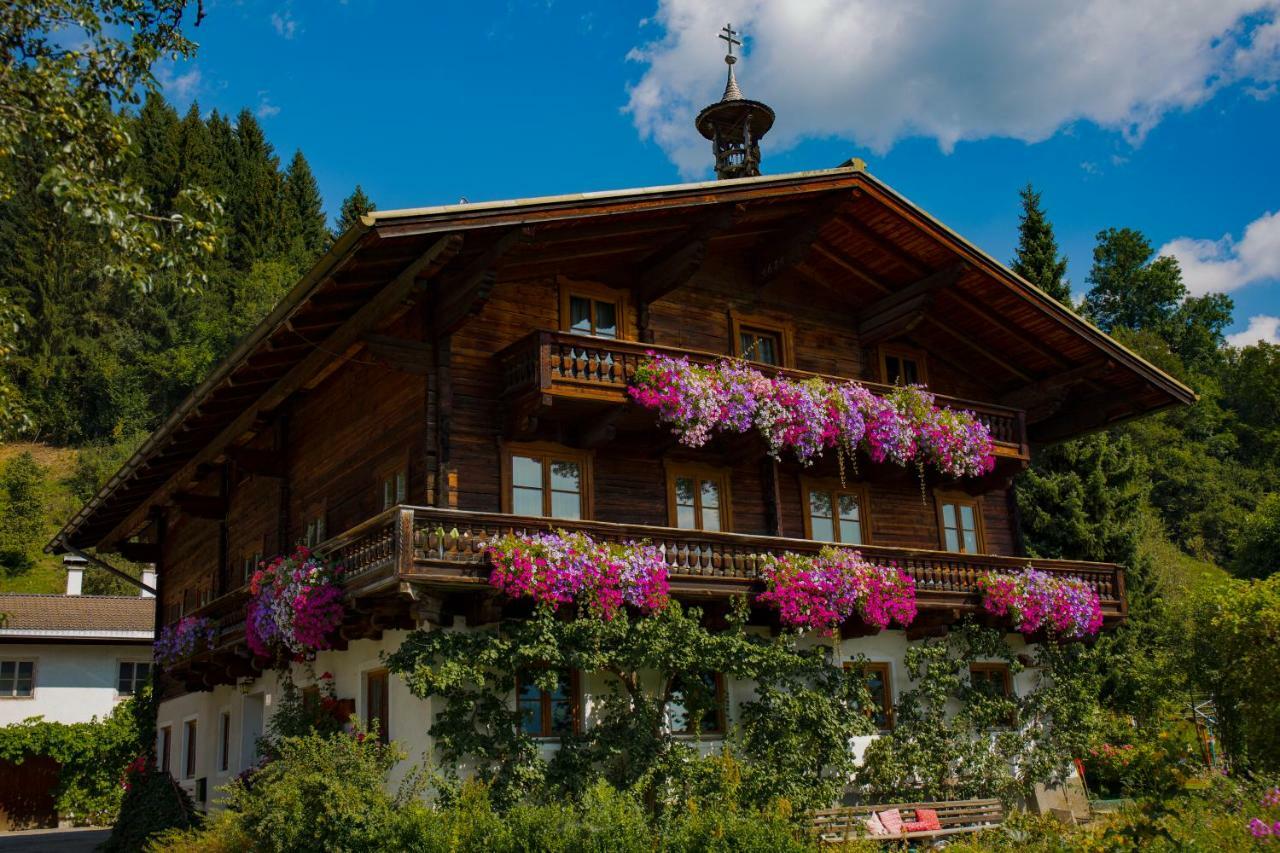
(1220, 266)
(180, 88)
(877, 71)
(286, 26)
(266, 109)
(1262, 327)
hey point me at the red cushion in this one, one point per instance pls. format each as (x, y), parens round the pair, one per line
(917, 826)
(929, 817)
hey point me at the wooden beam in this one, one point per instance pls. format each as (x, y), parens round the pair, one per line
(598, 430)
(1001, 361)
(139, 552)
(884, 244)
(260, 463)
(679, 261)
(402, 354)
(461, 295)
(213, 507)
(902, 311)
(1049, 388)
(777, 257)
(441, 251)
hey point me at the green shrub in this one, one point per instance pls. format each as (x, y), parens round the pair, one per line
(153, 804)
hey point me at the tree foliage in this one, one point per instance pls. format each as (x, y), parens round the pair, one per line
(1037, 258)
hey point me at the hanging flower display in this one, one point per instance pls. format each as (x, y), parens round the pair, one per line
(183, 639)
(296, 603)
(1034, 600)
(819, 593)
(811, 416)
(560, 568)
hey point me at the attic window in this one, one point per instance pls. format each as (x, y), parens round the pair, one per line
(592, 309)
(903, 366)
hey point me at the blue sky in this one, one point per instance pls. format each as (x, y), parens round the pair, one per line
(1162, 116)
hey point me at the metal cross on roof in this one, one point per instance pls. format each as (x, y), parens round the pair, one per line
(728, 36)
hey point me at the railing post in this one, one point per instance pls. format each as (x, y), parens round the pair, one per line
(403, 540)
(544, 360)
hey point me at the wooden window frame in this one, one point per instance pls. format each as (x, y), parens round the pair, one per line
(120, 662)
(596, 292)
(833, 488)
(786, 336)
(369, 678)
(386, 471)
(722, 711)
(902, 351)
(886, 677)
(545, 706)
(190, 752)
(960, 499)
(1003, 669)
(700, 471)
(165, 748)
(35, 670)
(548, 451)
(249, 562)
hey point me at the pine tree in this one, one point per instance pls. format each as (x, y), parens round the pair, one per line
(305, 211)
(256, 198)
(157, 132)
(1038, 259)
(197, 160)
(354, 206)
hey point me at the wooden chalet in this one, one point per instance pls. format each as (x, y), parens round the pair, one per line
(445, 374)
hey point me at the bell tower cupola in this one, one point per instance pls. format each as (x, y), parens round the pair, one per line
(734, 124)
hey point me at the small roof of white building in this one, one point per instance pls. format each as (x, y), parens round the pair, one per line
(76, 618)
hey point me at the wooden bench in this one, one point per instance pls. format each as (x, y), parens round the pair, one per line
(847, 823)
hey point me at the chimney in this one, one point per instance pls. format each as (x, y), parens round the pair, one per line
(75, 573)
(149, 578)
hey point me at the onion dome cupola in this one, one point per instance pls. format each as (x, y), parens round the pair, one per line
(735, 124)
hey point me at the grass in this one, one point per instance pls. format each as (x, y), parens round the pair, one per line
(58, 464)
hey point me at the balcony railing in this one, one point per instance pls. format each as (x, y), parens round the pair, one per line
(579, 366)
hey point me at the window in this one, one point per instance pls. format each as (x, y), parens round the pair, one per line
(224, 741)
(697, 705)
(993, 680)
(166, 748)
(189, 749)
(315, 531)
(698, 497)
(903, 366)
(548, 713)
(592, 309)
(759, 340)
(134, 675)
(546, 480)
(960, 524)
(377, 693)
(395, 486)
(835, 514)
(17, 679)
(881, 689)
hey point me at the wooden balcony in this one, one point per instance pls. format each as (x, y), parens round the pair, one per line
(401, 553)
(545, 367)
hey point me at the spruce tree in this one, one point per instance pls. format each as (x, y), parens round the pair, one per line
(157, 132)
(305, 211)
(353, 207)
(1038, 259)
(256, 199)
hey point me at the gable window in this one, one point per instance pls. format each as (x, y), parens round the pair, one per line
(548, 713)
(759, 340)
(132, 677)
(960, 524)
(377, 706)
(224, 741)
(17, 679)
(546, 480)
(166, 748)
(903, 366)
(698, 497)
(592, 309)
(835, 514)
(189, 749)
(697, 705)
(395, 486)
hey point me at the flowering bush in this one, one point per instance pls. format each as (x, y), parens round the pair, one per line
(1268, 827)
(296, 602)
(183, 639)
(820, 593)
(812, 415)
(1034, 600)
(559, 568)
